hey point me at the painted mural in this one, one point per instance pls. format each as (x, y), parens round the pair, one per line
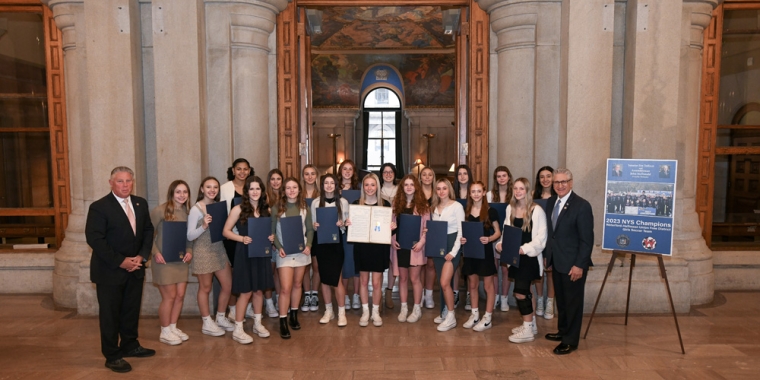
(428, 79)
(381, 28)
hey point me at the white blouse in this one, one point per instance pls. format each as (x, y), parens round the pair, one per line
(535, 247)
(454, 215)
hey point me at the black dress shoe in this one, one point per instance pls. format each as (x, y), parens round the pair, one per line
(294, 320)
(284, 332)
(118, 365)
(140, 352)
(564, 349)
(555, 337)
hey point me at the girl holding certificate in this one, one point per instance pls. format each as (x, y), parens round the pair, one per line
(210, 260)
(371, 258)
(171, 278)
(445, 208)
(331, 254)
(291, 265)
(349, 180)
(274, 187)
(545, 190)
(253, 275)
(478, 211)
(388, 193)
(408, 263)
(531, 219)
(461, 191)
(427, 177)
(501, 193)
(311, 273)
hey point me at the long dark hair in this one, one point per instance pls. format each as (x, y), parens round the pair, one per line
(336, 194)
(483, 216)
(457, 185)
(200, 189)
(538, 188)
(231, 169)
(395, 173)
(169, 209)
(495, 189)
(246, 208)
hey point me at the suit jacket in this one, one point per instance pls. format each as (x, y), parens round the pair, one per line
(110, 236)
(571, 242)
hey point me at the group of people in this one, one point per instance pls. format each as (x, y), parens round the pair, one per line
(120, 231)
(657, 203)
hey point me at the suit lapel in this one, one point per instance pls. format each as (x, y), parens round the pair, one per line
(565, 207)
(119, 210)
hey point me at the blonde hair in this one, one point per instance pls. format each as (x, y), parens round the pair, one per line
(363, 197)
(529, 205)
(435, 201)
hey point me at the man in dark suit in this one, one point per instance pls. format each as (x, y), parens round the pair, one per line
(570, 239)
(120, 234)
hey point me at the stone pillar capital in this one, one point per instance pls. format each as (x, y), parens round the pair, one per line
(276, 6)
(65, 13)
(712, 3)
(514, 22)
(700, 14)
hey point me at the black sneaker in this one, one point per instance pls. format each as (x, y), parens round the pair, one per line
(118, 365)
(140, 352)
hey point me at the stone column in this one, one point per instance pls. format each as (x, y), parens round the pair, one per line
(237, 85)
(688, 241)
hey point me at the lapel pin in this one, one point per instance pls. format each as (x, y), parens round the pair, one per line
(137, 204)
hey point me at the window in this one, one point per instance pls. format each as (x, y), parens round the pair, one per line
(382, 117)
(34, 169)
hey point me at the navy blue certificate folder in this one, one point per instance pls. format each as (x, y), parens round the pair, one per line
(328, 231)
(259, 230)
(436, 238)
(173, 241)
(218, 212)
(308, 201)
(350, 195)
(511, 240)
(463, 202)
(292, 238)
(501, 209)
(541, 202)
(236, 201)
(473, 231)
(408, 232)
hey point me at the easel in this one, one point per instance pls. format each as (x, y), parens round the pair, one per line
(663, 275)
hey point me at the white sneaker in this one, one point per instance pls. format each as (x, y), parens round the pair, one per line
(429, 304)
(259, 329)
(540, 306)
(522, 335)
(441, 317)
(467, 305)
(357, 302)
(272, 311)
(404, 313)
(342, 318)
(549, 311)
(248, 311)
(533, 328)
(314, 304)
(169, 337)
(483, 325)
(225, 323)
(376, 319)
(306, 303)
(329, 316)
(211, 328)
(231, 315)
(415, 315)
(448, 323)
(474, 318)
(364, 320)
(347, 302)
(181, 334)
(504, 303)
(240, 336)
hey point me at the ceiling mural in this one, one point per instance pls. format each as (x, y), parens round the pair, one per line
(352, 28)
(428, 79)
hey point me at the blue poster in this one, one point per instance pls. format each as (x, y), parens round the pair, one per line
(639, 200)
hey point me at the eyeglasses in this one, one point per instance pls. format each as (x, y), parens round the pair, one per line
(387, 172)
(562, 183)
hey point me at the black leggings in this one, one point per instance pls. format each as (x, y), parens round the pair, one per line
(525, 305)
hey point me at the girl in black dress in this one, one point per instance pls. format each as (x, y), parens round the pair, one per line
(501, 192)
(427, 177)
(478, 211)
(531, 219)
(461, 191)
(545, 190)
(253, 275)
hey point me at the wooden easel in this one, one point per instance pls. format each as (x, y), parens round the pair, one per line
(663, 275)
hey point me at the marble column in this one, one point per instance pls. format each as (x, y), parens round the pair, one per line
(237, 82)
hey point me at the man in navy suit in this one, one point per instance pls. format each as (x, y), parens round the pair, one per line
(120, 234)
(568, 250)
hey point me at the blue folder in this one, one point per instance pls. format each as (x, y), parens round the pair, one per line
(173, 241)
(218, 212)
(292, 238)
(350, 195)
(501, 209)
(408, 230)
(436, 239)
(473, 231)
(328, 231)
(463, 202)
(308, 201)
(259, 230)
(511, 240)
(236, 201)
(349, 267)
(541, 202)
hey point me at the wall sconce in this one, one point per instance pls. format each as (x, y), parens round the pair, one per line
(418, 163)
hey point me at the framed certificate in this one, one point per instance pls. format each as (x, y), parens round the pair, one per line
(328, 231)
(370, 224)
(473, 231)
(511, 240)
(218, 212)
(292, 238)
(436, 239)
(173, 241)
(408, 230)
(259, 230)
